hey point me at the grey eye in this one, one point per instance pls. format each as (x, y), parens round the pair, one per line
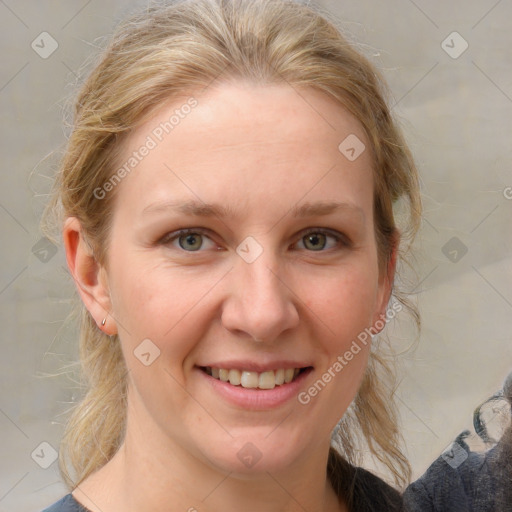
(191, 241)
(314, 241)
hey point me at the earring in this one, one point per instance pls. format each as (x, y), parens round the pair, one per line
(104, 321)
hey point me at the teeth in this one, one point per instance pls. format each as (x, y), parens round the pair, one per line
(235, 377)
(267, 380)
(249, 379)
(288, 374)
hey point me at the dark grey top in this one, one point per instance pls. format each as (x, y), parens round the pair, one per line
(66, 504)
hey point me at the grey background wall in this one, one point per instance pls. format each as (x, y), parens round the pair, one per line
(453, 94)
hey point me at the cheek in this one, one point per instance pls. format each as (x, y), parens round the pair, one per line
(344, 307)
(160, 321)
(344, 304)
(161, 303)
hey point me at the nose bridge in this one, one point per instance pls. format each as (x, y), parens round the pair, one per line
(259, 279)
(259, 303)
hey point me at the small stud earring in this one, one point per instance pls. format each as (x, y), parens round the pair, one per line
(104, 321)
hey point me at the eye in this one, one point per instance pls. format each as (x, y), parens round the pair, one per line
(190, 240)
(317, 239)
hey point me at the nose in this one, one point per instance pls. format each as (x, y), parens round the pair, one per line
(260, 303)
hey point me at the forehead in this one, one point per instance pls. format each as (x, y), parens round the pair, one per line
(249, 145)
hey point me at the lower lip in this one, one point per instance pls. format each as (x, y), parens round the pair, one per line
(254, 398)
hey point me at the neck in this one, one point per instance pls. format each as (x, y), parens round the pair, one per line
(150, 473)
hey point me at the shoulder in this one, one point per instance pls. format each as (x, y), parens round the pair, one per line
(363, 491)
(66, 504)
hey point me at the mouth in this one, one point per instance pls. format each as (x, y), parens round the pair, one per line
(255, 380)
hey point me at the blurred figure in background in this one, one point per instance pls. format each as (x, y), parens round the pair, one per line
(462, 480)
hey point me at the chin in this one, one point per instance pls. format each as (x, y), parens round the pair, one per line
(253, 454)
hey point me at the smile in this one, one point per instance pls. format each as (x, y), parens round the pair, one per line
(255, 380)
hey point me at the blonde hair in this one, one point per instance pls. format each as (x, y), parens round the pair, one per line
(165, 52)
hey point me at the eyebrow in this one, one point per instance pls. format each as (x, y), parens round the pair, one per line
(200, 209)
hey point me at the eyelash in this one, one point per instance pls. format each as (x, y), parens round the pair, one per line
(341, 240)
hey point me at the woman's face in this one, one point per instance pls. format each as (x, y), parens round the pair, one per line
(278, 271)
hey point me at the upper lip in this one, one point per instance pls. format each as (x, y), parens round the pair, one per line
(253, 366)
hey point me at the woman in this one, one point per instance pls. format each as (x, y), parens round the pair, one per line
(226, 204)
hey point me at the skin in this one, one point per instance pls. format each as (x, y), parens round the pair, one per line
(261, 150)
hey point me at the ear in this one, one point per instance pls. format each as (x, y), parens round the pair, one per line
(89, 276)
(386, 280)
